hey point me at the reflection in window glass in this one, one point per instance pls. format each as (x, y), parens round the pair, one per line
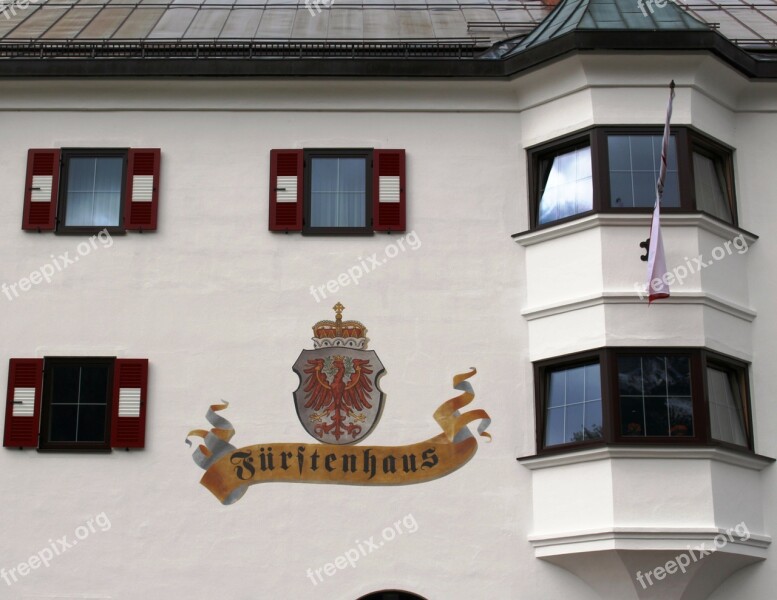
(573, 405)
(634, 165)
(566, 185)
(338, 192)
(710, 182)
(655, 395)
(94, 191)
(725, 401)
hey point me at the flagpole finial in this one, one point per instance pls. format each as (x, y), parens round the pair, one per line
(671, 85)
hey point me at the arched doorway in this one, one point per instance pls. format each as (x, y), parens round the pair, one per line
(392, 595)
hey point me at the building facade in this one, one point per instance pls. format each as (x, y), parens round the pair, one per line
(188, 191)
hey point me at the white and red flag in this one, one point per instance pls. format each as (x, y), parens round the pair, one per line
(656, 284)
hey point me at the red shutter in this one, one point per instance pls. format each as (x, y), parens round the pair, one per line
(22, 409)
(286, 186)
(130, 389)
(142, 197)
(41, 190)
(388, 190)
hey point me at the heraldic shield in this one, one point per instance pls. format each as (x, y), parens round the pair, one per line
(338, 400)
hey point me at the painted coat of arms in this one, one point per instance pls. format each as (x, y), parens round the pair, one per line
(338, 400)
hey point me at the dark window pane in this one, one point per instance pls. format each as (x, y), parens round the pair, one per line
(94, 191)
(620, 190)
(557, 388)
(656, 416)
(681, 417)
(642, 158)
(630, 375)
(593, 420)
(711, 189)
(91, 423)
(671, 195)
(63, 423)
(632, 417)
(338, 192)
(678, 375)
(645, 189)
(725, 402)
(593, 383)
(620, 153)
(574, 424)
(65, 384)
(554, 430)
(575, 385)
(94, 384)
(654, 375)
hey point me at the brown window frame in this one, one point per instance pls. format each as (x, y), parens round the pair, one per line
(608, 368)
(45, 429)
(687, 138)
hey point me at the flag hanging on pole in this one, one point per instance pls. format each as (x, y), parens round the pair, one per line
(656, 284)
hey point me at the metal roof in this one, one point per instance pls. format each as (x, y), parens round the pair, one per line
(480, 22)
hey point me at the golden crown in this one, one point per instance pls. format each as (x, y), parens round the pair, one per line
(339, 333)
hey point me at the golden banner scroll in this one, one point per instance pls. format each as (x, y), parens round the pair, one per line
(229, 470)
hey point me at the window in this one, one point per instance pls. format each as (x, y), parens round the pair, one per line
(86, 190)
(615, 169)
(337, 197)
(574, 405)
(639, 395)
(566, 186)
(76, 403)
(337, 191)
(92, 190)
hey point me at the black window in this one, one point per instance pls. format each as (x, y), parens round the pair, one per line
(92, 190)
(638, 395)
(76, 403)
(615, 169)
(338, 195)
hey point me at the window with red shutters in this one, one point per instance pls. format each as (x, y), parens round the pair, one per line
(337, 191)
(86, 190)
(76, 403)
(41, 190)
(286, 186)
(22, 411)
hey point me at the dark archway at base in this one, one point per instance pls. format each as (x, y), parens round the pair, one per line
(392, 595)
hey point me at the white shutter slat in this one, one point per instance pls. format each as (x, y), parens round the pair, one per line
(286, 188)
(142, 188)
(23, 402)
(129, 402)
(41, 188)
(388, 187)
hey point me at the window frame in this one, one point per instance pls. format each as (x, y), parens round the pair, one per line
(64, 175)
(687, 139)
(308, 155)
(46, 397)
(608, 366)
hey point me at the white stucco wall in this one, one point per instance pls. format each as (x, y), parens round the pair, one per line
(222, 308)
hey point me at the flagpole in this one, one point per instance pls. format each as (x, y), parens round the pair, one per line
(656, 281)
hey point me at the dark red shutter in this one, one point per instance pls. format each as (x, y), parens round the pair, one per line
(142, 196)
(22, 409)
(286, 186)
(130, 390)
(388, 190)
(41, 190)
